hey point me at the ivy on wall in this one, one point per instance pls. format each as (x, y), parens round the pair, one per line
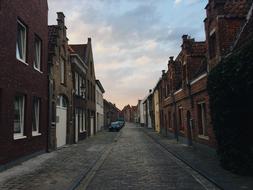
(230, 87)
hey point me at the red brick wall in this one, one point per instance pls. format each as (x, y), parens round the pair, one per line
(16, 77)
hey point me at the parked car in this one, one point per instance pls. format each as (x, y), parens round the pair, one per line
(121, 122)
(115, 126)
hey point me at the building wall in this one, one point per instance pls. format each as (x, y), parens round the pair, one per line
(157, 114)
(99, 109)
(60, 53)
(18, 77)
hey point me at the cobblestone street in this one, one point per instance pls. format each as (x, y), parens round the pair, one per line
(137, 162)
(129, 159)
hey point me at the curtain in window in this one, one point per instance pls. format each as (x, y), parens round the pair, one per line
(20, 50)
(37, 53)
(36, 107)
(19, 114)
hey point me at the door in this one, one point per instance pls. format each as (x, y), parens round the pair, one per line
(76, 125)
(61, 122)
(189, 128)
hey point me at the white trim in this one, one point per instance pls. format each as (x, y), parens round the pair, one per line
(178, 91)
(199, 78)
(25, 42)
(35, 133)
(37, 69)
(18, 136)
(212, 32)
(22, 61)
(203, 137)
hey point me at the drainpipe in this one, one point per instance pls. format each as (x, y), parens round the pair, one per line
(49, 107)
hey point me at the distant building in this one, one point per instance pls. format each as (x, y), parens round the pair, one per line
(111, 113)
(99, 106)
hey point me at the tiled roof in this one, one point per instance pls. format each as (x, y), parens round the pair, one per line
(237, 8)
(80, 49)
(52, 37)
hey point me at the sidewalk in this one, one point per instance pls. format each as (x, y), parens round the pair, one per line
(60, 169)
(205, 161)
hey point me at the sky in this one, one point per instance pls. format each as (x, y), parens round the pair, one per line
(132, 40)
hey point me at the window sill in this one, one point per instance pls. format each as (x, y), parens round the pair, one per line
(17, 137)
(22, 61)
(35, 134)
(203, 137)
(82, 131)
(38, 70)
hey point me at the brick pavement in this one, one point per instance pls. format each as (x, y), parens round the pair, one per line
(57, 170)
(137, 162)
(204, 160)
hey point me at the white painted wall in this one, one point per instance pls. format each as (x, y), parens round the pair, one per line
(99, 109)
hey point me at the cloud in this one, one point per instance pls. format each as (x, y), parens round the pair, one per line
(132, 39)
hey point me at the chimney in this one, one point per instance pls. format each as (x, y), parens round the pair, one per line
(150, 90)
(89, 40)
(60, 18)
(171, 60)
(185, 37)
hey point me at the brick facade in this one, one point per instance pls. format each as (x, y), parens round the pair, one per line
(61, 84)
(86, 54)
(185, 102)
(20, 77)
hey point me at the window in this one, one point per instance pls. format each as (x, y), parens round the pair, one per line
(21, 42)
(180, 117)
(212, 45)
(202, 119)
(36, 116)
(82, 128)
(62, 71)
(76, 84)
(37, 53)
(19, 115)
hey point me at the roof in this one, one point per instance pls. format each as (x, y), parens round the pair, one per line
(80, 49)
(100, 86)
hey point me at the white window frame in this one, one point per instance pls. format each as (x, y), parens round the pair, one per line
(20, 135)
(23, 42)
(36, 111)
(37, 53)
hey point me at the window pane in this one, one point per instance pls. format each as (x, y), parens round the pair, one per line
(36, 114)
(37, 56)
(21, 42)
(18, 114)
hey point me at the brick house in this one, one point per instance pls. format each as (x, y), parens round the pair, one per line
(79, 72)
(85, 52)
(23, 78)
(60, 84)
(186, 102)
(127, 113)
(111, 113)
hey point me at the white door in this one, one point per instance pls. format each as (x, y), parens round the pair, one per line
(91, 126)
(61, 121)
(61, 126)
